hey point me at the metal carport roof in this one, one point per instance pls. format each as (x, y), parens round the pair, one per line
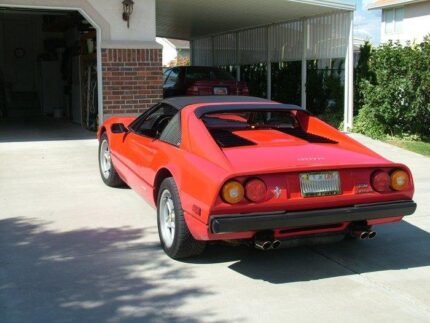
(190, 19)
(236, 32)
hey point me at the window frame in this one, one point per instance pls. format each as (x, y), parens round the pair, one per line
(166, 74)
(133, 127)
(396, 25)
(178, 73)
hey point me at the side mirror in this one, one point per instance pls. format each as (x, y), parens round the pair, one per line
(118, 128)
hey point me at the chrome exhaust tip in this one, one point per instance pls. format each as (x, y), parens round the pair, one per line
(371, 235)
(263, 245)
(360, 234)
(276, 244)
(364, 235)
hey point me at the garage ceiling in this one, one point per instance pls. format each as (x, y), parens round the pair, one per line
(189, 19)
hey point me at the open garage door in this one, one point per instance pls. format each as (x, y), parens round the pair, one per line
(48, 72)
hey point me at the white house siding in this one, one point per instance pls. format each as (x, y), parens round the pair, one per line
(142, 21)
(107, 14)
(170, 52)
(416, 24)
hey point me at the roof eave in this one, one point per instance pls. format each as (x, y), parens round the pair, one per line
(336, 4)
(376, 6)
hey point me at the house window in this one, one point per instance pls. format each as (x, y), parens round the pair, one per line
(393, 19)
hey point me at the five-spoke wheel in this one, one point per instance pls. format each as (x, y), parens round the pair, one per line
(107, 170)
(175, 237)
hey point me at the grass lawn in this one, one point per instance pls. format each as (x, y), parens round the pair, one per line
(420, 147)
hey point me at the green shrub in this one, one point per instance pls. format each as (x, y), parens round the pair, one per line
(255, 75)
(397, 102)
(362, 72)
(286, 82)
(325, 91)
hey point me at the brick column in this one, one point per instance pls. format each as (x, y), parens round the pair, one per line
(132, 80)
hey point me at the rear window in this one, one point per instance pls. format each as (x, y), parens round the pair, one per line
(228, 129)
(206, 73)
(250, 120)
(224, 126)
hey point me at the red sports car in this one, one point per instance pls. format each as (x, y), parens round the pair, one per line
(201, 80)
(250, 170)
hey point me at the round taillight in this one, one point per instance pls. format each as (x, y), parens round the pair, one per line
(255, 190)
(232, 192)
(381, 181)
(399, 180)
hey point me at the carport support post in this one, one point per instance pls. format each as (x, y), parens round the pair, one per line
(237, 58)
(269, 65)
(349, 79)
(304, 65)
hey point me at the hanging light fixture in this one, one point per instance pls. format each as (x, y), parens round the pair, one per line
(127, 10)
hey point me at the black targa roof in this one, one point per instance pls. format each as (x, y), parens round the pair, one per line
(259, 103)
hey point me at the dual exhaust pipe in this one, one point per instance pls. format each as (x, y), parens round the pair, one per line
(267, 244)
(363, 234)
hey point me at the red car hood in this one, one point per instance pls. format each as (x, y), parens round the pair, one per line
(286, 153)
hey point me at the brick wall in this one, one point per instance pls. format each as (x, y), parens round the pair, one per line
(132, 80)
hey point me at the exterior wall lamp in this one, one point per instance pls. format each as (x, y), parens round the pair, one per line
(127, 10)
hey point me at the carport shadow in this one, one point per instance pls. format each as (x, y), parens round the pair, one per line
(397, 246)
(41, 129)
(86, 275)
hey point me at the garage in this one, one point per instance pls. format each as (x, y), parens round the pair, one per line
(83, 61)
(48, 70)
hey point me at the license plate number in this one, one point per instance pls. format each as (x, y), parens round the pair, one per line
(320, 184)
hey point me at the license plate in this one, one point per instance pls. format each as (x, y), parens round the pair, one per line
(319, 184)
(220, 91)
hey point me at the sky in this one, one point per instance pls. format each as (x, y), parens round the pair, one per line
(367, 22)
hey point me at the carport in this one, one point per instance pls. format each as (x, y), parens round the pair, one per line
(242, 32)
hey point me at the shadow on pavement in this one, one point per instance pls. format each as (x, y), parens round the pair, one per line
(397, 246)
(86, 275)
(41, 129)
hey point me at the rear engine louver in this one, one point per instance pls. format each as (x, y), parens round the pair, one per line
(226, 139)
(309, 137)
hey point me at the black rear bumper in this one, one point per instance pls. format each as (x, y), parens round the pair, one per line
(268, 221)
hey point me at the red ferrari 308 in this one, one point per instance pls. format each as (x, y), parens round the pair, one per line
(250, 170)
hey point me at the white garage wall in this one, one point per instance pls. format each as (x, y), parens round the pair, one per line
(107, 15)
(142, 22)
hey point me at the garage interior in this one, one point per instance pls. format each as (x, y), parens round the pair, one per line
(48, 72)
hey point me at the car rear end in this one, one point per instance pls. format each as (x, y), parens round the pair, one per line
(204, 81)
(290, 181)
(313, 201)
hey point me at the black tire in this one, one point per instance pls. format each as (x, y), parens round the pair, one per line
(111, 179)
(183, 245)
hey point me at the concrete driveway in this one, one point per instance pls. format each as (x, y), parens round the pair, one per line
(74, 250)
